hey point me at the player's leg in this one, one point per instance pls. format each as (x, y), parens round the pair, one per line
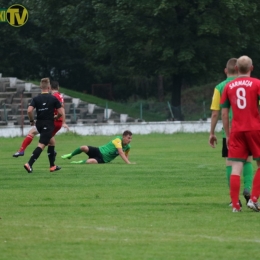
(51, 151)
(228, 163)
(57, 127)
(94, 155)
(51, 156)
(89, 161)
(78, 150)
(248, 178)
(45, 136)
(254, 144)
(253, 202)
(228, 171)
(228, 166)
(235, 184)
(35, 155)
(237, 154)
(26, 142)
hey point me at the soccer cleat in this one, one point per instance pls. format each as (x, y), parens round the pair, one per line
(66, 156)
(230, 204)
(17, 154)
(236, 210)
(78, 162)
(246, 194)
(55, 168)
(28, 168)
(253, 205)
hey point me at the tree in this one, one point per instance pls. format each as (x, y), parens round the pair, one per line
(84, 42)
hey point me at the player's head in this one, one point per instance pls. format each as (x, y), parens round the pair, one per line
(127, 137)
(244, 65)
(45, 84)
(55, 85)
(231, 67)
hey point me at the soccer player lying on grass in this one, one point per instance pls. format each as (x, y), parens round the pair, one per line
(120, 145)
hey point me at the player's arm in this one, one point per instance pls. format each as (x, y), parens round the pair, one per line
(64, 117)
(225, 106)
(60, 113)
(215, 107)
(225, 120)
(30, 115)
(118, 145)
(127, 153)
(123, 156)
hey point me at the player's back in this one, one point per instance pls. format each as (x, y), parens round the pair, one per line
(243, 94)
(45, 105)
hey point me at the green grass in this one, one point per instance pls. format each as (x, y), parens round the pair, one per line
(171, 205)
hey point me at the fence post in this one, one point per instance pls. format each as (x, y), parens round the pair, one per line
(106, 116)
(204, 111)
(141, 111)
(74, 113)
(22, 116)
(169, 105)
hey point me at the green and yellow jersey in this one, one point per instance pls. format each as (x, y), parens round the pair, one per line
(215, 105)
(109, 151)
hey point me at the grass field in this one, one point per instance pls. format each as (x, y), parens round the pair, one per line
(173, 204)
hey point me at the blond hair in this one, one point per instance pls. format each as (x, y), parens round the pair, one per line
(45, 83)
(244, 64)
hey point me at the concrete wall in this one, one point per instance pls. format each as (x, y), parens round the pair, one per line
(135, 128)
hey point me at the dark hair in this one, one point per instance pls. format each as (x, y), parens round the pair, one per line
(127, 132)
(54, 85)
(231, 63)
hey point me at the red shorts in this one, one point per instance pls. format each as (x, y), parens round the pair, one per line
(241, 144)
(57, 127)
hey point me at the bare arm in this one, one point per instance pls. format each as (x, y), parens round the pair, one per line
(123, 156)
(214, 120)
(64, 118)
(225, 120)
(215, 108)
(60, 113)
(30, 115)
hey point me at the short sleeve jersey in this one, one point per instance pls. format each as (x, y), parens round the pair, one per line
(215, 105)
(45, 104)
(242, 95)
(61, 100)
(109, 151)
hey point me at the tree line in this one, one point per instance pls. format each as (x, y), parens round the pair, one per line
(144, 48)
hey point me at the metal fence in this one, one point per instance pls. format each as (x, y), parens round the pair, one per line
(167, 112)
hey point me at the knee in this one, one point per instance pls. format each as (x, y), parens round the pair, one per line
(84, 148)
(42, 146)
(249, 158)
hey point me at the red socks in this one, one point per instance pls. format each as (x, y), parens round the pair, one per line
(256, 186)
(27, 140)
(234, 190)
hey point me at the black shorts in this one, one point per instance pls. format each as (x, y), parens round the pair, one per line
(225, 150)
(94, 153)
(45, 129)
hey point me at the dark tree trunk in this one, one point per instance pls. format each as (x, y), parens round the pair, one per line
(176, 97)
(160, 88)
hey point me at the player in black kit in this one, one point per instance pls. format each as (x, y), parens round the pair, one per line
(45, 104)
